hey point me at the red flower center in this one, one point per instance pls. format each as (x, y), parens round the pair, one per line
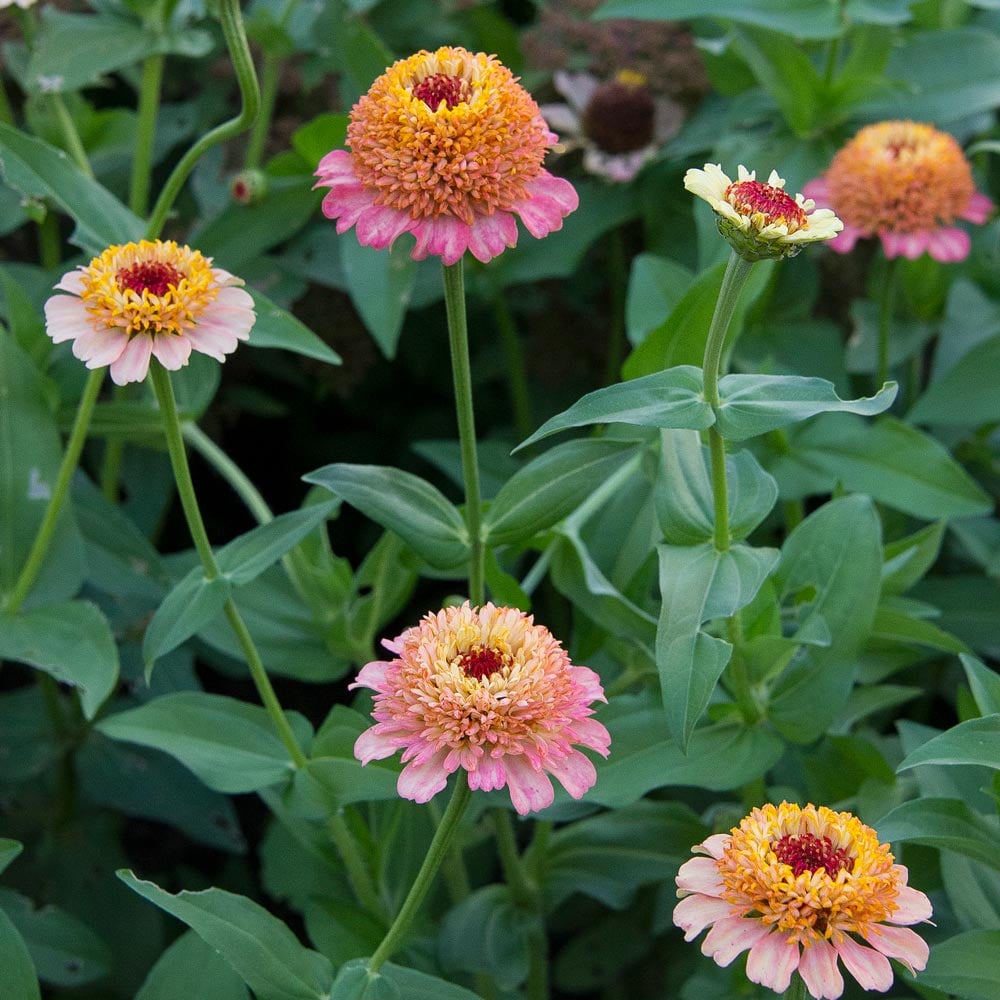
(149, 276)
(432, 90)
(807, 853)
(481, 661)
(776, 205)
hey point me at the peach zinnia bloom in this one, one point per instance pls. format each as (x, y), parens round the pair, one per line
(487, 690)
(761, 221)
(905, 182)
(446, 145)
(788, 877)
(148, 299)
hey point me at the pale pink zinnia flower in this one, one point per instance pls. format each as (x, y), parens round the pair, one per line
(801, 888)
(905, 182)
(148, 299)
(487, 690)
(446, 145)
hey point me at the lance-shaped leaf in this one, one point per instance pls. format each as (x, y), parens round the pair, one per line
(19, 979)
(699, 583)
(275, 327)
(755, 404)
(417, 511)
(671, 398)
(948, 824)
(966, 965)
(975, 741)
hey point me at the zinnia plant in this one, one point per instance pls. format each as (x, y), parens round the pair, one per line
(801, 888)
(148, 299)
(906, 183)
(486, 690)
(448, 146)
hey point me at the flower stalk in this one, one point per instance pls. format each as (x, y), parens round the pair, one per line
(189, 502)
(885, 318)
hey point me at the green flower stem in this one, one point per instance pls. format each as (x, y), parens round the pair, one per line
(114, 455)
(885, 319)
(71, 456)
(520, 397)
(432, 861)
(735, 277)
(49, 241)
(525, 894)
(246, 77)
(71, 136)
(142, 160)
(458, 339)
(269, 78)
(358, 875)
(797, 991)
(737, 676)
(618, 277)
(189, 502)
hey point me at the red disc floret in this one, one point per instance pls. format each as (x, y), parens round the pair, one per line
(808, 853)
(481, 662)
(432, 90)
(149, 276)
(756, 198)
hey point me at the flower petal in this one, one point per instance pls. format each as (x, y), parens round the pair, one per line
(489, 774)
(491, 235)
(771, 962)
(530, 790)
(66, 318)
(700, 875)
(446, 237)
(420, 782)
(374, 744)
(731, 937)
(870, 968)
(575, 772)
(379, 225)
(901, 943)
(979, 209)
(133, 363)
(172, 350)
(913, 906)
(949, 244)
(694, 913)
(818, 969)
(100, 347)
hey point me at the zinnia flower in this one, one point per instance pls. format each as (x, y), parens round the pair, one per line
(618, 123)
(788, 877)
(906, 183)
(447, 146)
(487, 690)
(148, 298)
(761, 221)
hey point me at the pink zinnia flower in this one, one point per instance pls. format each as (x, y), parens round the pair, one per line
(487, 690)
(447, 146)
(905, 182)
(148, 299)
(788, 877)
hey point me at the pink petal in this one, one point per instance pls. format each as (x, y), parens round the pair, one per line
(72, 281)
(446, 237)
(771, 962)
(949, 244)
(232, 296)
(914, 907)
(379, 225)
(715, 845)
(818, 969)
(66, 318)
(421, 782)
(700, 875)
(100, 347)
(909, 245)
(372, 675)
(978, 210)
(592, 734)
(214, 341)
(491, 235)
(870, 968)
(374, 744)
(819, 191)
(900, 943)
(694, 913)
(346, 206)
(171, 350)
(336, 164)
(731, 937)
(550, 199)
(133, 363)
(530, 790)
(589, 683)
(575, 772)
(489, 774)
(846, 239)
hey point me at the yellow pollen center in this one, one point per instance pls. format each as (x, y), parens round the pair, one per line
(900, 177)
(447, 133)
(148, 287)
(766, 205)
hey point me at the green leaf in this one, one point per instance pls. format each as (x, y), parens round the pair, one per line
(976, 741)
(262, 950)
(897, 626)
(907, 560)
(319, 136)
(275, 327)
(948, 824)
(683, 491)
(20, 981)
(965, 395)
(830, 573)
(985, 684)
(39, 170)
(191, 605)
(63, 949)
(9, 850)
(71, 642)
(402, 502)
(380, 284)
(26, 324)
(801, 18)
(671, 398)
(699, 583)
(755, 404)
(230, 745)
(191, 968)
(966, 965)
(893, 463)
(549, 487)
(655, 286)
(30, 456)
(487, 932)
